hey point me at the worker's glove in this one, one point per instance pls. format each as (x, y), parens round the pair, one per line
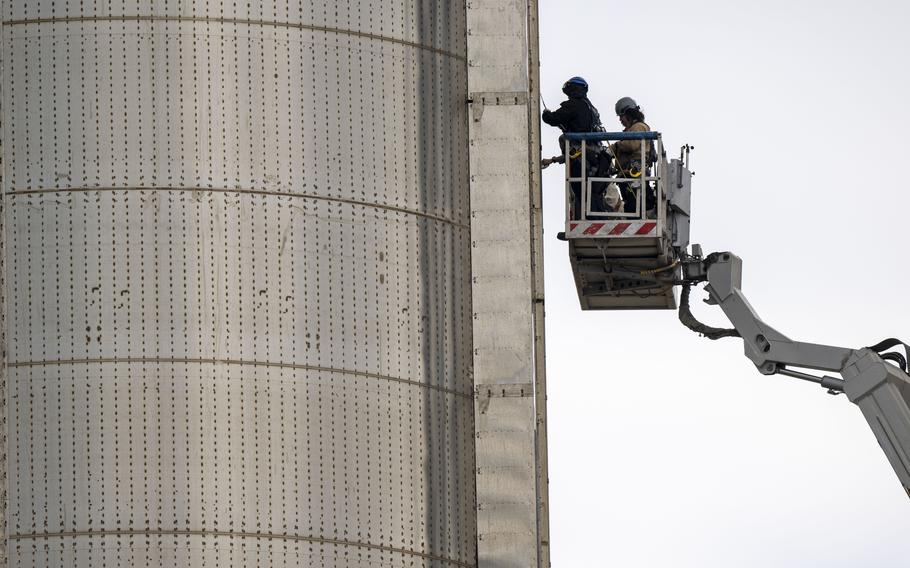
(545, 163)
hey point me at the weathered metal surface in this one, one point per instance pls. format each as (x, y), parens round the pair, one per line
(237, 260)
(507, 287)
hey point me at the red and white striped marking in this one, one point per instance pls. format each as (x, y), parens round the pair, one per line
(582, 229)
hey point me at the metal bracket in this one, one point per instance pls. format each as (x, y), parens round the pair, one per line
(484, 394)
(513, 390)
(507, 98)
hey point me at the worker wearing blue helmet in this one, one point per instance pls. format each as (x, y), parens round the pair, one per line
(576, 114)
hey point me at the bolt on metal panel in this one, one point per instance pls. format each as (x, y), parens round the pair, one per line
(236, 273)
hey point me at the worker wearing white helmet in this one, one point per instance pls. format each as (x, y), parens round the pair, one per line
(628, 152)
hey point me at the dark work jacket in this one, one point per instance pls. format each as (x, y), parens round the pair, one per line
(574, 115)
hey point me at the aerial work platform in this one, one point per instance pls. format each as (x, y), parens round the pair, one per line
(625, 223)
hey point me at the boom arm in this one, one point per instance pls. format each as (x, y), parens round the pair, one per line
(881, 390)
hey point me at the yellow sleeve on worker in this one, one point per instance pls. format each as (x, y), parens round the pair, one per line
(632, 146)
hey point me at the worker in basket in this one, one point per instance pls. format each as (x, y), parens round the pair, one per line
(577, 114)
(628, 155)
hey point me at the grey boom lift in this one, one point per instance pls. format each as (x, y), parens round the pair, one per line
(633, 258)
(879, 388)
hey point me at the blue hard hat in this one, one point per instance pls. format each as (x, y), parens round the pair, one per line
(577, 81)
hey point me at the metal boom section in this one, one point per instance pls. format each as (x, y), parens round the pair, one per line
(880, 389)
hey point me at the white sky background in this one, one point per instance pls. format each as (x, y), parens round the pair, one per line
(667, 449)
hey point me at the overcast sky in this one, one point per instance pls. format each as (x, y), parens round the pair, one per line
(670, 450)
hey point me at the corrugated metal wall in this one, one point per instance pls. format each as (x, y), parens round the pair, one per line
(237, 283)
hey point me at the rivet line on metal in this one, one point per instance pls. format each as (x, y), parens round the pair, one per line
(392, 208)
(239, 362)
(237, 21)
(267, 536)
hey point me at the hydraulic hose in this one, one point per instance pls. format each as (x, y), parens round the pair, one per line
(654, 271)
(896, 358)
(883, 346)
(689, 320)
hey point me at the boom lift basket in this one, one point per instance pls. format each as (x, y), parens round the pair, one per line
(625, 256)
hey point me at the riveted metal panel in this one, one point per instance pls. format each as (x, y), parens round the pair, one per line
(237, 284)
(509, 374)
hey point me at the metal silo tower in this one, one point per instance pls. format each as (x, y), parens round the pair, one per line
(237, 285)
